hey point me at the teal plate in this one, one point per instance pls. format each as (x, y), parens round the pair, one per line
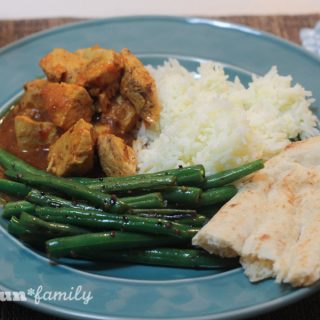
(143, 292)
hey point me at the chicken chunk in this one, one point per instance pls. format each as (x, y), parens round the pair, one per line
(73, 152)
(102, 129)
(139, 88)
(122, 114)
(106, 98)
(66, 104)
(31, 103)
(94, 68)
(103, 102)
(62, 65)
(102, 70)
(32, 134)
(32, 97)
(116, 157)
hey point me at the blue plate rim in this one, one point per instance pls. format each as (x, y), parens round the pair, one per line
(239, 313)
(234, 315)
(189, 19)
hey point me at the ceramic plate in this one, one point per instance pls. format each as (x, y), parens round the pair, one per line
(140, 292)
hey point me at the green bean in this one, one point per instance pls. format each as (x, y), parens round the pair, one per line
(191, 175)
(9, 161)
(86, 181)
(183, 216)
(188, 217)
(79, 245)
(23, 233)
(182, 195)
(105, 221)
(16, 228)
(102, 200)
(171, 257)
(146, 185)
(52, 229)
(160, 216)
(182, 213)
(13, 188)
(229, 176)
(151, 200)
(196, 222)
(48, 200)
(217, 195)
(147, 204)
(107, 180)
(146, 201)
(11, 209)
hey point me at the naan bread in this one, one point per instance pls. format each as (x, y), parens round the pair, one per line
(273, 223)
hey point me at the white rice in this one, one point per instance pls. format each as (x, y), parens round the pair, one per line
(219, 123)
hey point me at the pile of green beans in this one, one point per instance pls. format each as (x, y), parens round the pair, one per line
(147, 218)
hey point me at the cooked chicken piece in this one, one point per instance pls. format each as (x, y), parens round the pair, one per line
(95, 68)
(102, 70)
(118, 113)
(31, 103)
(66, 104)
(73, 152)
(116, 158)
(32, 134)
(123, 115)
(31, 97)
(102, 129)
(62, 65)
(106, 97)
(103, 103)
(139, 87)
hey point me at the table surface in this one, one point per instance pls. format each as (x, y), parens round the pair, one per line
(284, 26)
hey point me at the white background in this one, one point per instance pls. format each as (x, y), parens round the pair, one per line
(15, 9)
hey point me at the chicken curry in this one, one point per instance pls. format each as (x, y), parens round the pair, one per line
(87, 110)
